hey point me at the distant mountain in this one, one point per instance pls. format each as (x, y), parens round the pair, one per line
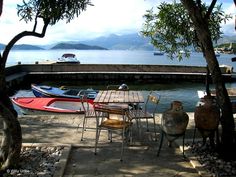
(132, 41)
(122, 42)
(26, 47)
(22, 47)
(136, 42)
(227, 39)
(2, 46)
(77, 46)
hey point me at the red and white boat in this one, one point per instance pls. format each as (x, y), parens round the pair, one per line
(35, 105)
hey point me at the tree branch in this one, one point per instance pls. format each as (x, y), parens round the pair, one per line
(35, 24)
(199, 4)
(21, 35)
(209, 11)
(1, 4)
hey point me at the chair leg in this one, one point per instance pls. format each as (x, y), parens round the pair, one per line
(83, 129)
(110, 135)
(130, 135)
(161, 141)
(147, 125)
(194, 134)
(97, 139)
(139, 127)
(155, 128)
(96, 142)
(183, 143)
(122, 145)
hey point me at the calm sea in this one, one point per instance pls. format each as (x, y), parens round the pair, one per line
(112, 57)
(185, 92)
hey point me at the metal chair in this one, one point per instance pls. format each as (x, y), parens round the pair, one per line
(122, 123)
(89, 113)
(147, 112)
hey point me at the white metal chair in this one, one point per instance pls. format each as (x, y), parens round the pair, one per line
(121, 123)
(148, 111)
(89, 113)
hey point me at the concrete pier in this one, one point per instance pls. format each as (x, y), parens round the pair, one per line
(107, 72)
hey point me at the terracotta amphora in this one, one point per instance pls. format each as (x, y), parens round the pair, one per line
(175, 120)
(207, 116)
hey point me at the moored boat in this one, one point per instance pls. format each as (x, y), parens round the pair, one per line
(217, 53)
(231, 94)
(34, 105)
(158, 53)
(233, 59)
(68, 58)
(48, 91)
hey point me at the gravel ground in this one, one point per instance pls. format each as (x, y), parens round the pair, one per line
(37, 162)
(211, 161)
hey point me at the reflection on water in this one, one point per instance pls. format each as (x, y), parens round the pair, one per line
(184, 92)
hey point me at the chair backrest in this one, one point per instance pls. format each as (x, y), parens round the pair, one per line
(152, 102)
(111, 109)
(85, 103)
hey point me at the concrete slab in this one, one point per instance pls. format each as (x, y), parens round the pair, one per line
(139, 159)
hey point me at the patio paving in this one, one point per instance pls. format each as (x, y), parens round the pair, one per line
(139, 159)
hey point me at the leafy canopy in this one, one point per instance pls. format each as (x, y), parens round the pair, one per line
(51, 10)
(171, 29)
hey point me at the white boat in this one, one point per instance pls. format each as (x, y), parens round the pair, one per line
(68, 58)
(158, 53)
(185, 52)
(231, 93)
(217, 53)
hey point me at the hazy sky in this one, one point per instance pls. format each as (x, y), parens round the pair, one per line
(104, 18)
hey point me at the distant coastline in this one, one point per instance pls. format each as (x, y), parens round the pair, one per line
(58, 46)
(132, 41)
(77, 46)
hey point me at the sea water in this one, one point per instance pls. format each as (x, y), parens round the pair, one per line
(112, 57)
(185, 92)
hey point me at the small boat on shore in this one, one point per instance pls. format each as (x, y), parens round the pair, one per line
(217, 53)
(158, 53)
(48, 91)
(233, 59)
(34, 105)
(68, 58)
(231, 93)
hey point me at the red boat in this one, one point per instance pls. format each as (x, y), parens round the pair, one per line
(34, 105)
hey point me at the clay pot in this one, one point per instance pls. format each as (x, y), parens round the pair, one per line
(175, 120)
(207, 116)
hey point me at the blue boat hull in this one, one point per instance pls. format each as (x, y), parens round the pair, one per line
(48, 91)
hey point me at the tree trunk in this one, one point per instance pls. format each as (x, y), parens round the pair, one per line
(12, 135)
(201, 26)
(11, 141)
